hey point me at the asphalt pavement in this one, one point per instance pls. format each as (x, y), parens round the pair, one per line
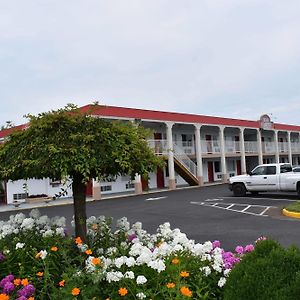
(203, 213)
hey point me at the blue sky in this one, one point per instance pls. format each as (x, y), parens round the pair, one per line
(230, 58)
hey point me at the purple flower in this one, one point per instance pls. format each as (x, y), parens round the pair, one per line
(239, 250)
(21, 298)
(26, 291)
(249, 248)
(2, 257)
(8, 287)
(216, 244)
(6, 279)
(131, 237)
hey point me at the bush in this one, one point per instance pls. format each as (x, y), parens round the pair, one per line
(269, 272)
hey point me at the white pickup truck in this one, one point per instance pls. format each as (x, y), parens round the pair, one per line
(266, 178)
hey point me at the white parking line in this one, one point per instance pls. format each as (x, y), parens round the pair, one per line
(274, 199)
(210, 200)
(154, 199)
(243, 211)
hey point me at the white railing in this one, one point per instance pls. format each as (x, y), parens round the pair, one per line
(268, 147)
(187, 146)
(232, 147)
(251, 147)
(283, 147)
(295, 146)
(210, 146)
(160, 147)
(181, 156)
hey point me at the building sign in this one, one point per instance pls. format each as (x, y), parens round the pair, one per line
(266, 123)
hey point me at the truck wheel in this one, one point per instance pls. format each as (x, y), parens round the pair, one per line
(298, 189)
(239, 190)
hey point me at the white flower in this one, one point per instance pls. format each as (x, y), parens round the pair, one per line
(43, 254)
(20, 245)
(141, 279)
(35, 213)
(129, 274)
(27, 223)
(130, 262)
(48, 233)
(222, 281)
(60, 231)
(141, 295)
(157, 265)
(114, 276)
(206, 270)
(43, 220)
(226, 272)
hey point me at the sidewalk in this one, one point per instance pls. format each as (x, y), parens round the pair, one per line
(23, 205)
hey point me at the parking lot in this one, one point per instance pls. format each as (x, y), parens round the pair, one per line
(206, 213)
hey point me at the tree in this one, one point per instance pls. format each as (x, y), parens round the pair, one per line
(69, 143)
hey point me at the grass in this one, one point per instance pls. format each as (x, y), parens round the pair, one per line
(294, 207)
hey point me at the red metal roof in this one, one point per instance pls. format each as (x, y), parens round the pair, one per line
(144, 114)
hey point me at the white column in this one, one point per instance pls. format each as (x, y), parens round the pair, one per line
(276, 146)
(223, 155)
(290, 147)
(198, 154)
(243, 154)
(172, 182)
(138, 184)
(259, 147)
(96, 190)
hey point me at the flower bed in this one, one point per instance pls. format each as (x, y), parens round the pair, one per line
(39, 260)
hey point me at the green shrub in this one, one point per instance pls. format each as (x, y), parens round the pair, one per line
(269, 272)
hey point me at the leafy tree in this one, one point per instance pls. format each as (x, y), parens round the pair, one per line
(69, 143)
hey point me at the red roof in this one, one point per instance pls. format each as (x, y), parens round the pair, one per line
(144, 114)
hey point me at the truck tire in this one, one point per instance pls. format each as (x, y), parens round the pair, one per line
(239, 190)
(298, 189)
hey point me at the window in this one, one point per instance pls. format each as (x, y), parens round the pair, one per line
(20, 196)
(285, 168)
(258, 171)
(217, 166)
(264, 170)
(129, 185)
(106, 188)
(271, 170)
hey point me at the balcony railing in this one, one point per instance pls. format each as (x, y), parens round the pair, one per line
(268, 147)
(210, 147)
(232, 147)
(295, 146)
(283, 147)
(251, 147)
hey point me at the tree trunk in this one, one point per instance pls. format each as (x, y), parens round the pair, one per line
(79, 199)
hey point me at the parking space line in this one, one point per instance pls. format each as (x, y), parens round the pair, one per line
(244, 210)
(274, 199)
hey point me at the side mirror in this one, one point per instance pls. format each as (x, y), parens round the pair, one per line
(250, 173)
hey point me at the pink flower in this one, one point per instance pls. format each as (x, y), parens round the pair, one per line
(216, 244)
(249, 248)
(239, 250)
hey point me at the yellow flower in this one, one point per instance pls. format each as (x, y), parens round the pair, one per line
(75, 291)
(175, 261)
(170, 285)
(88, 252)
(96, 261)
(184, 274)
(185, 291)
(54, 249)
(40, 274)
(123, 291)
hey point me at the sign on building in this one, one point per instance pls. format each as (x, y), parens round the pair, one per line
(266, 123)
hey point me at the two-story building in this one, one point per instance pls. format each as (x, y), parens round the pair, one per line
(198, 149)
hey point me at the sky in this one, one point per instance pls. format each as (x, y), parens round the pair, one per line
(228, 58)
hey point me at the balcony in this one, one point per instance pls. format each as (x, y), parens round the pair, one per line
(210, 147)
(232, 147)
(283, 147)
(268, 147)
(251, 147)
(295, 146)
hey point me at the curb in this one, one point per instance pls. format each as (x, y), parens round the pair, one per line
(291, 214)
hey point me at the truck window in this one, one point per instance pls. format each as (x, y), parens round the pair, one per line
(271, 170)
(259, 171)
(285, 168)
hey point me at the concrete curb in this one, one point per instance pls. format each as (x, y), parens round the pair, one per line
(291, 214)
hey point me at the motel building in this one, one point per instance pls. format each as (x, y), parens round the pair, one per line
(197, 149)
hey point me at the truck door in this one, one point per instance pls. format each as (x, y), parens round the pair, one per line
(263, 178)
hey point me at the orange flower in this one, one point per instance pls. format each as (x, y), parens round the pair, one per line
(54, 249)
(62, 283)
(185, 291)
(175, 261)
(88, 252)
(184, 274)
(24, 282)
(38, 255)
(123, 292)
(4, 297)
(96, 261)
(40, 274)
(30, 298)
(17, 281)
(75, 291)
(170, 285)
(78, 241)
(95, 227)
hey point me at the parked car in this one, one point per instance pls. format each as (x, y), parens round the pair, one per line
(296, 169)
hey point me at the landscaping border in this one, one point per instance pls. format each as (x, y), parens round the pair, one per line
(291, 214)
